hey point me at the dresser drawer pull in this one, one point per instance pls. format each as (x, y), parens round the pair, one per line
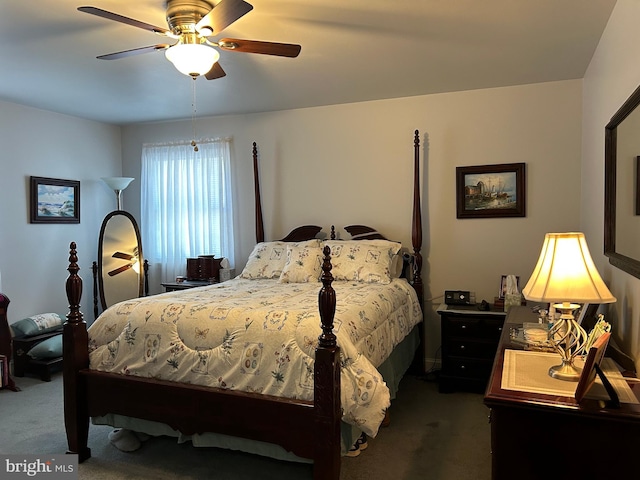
(462, 347)
(463, 327)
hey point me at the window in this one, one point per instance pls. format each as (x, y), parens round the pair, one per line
(186, 204)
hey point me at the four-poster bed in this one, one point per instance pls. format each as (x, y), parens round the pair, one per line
(309, 427)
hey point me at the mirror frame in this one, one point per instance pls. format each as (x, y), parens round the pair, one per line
(103, 302)
(623, 262)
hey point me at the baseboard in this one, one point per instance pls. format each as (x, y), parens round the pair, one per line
(431, 364)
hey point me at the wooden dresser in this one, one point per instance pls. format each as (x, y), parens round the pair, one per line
(469, 341)
(537, 436)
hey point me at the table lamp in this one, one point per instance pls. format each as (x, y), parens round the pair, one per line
(566, 276)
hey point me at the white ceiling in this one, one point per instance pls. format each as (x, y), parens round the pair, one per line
(352, 51)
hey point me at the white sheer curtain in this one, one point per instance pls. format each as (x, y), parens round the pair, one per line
(186, 204)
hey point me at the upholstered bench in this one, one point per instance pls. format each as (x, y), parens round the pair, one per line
(37, 345)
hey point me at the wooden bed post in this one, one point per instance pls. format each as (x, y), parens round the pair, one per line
(256, 183)
(75, 345)
(416, 224)
(327, 383)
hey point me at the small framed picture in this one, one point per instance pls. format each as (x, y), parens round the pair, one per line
(54, 200)
(487, 191)
(503, 285)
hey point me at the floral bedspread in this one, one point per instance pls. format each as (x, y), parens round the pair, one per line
(260, 336)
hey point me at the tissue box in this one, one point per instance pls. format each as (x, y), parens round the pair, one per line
(227, 274)
(512, 300)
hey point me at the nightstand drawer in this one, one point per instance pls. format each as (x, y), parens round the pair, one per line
(470, 348)
(472, 368)
(473, 327)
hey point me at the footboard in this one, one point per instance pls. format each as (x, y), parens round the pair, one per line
(308, 429)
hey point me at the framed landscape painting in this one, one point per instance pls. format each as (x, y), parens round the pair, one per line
(486, 191)
(54, 200)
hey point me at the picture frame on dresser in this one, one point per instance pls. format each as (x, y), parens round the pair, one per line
(54, 200)
(489, 191)
(503, 285)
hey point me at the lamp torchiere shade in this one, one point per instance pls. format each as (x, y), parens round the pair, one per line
(565, 272)
(118, 184)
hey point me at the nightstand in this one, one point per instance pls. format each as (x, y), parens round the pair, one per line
(173, 286)
(469, 341)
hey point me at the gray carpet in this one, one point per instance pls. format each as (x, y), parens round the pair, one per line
(432, 436)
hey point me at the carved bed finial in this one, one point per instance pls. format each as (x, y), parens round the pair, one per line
(327, 303)
(416, 224)
(256, 183)
(74, 286)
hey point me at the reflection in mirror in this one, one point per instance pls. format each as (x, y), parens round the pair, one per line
(120, 275)
(621, 222)
(627, 222)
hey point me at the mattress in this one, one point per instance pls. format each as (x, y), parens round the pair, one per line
(260, 336)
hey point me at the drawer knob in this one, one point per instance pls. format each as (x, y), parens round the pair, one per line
(463, 327)
(462, 347)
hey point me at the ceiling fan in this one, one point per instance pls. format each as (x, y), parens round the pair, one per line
(191, 23)
(133, 259)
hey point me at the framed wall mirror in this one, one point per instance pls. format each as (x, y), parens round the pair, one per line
(120, 260)
(621, 194)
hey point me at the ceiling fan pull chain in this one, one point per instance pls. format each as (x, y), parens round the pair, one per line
(193, 116)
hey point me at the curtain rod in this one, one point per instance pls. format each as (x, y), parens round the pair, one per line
(188, 142)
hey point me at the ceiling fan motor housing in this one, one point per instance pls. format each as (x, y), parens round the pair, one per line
(183, 15)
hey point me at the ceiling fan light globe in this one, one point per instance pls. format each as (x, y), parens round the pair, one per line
(192, 59)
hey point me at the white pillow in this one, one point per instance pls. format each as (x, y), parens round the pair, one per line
(397, 265)
(367, 261)
(268, 258)
(303, 265)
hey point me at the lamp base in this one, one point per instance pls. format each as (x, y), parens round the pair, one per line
(565, 371)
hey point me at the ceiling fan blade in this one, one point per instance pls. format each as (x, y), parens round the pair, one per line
(133, 51)
(121, 269)
(223, 14)
(124, 256)
(266, 48)
(129, 21)
(215, 72)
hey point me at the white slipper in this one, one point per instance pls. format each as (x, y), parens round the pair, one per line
(124, 440)
(143, 437)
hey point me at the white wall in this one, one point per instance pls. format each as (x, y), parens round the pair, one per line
(346, 164)
(34, 257)
(614, 73)
(352, 164)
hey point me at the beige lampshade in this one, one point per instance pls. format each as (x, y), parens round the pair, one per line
(566, 272)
